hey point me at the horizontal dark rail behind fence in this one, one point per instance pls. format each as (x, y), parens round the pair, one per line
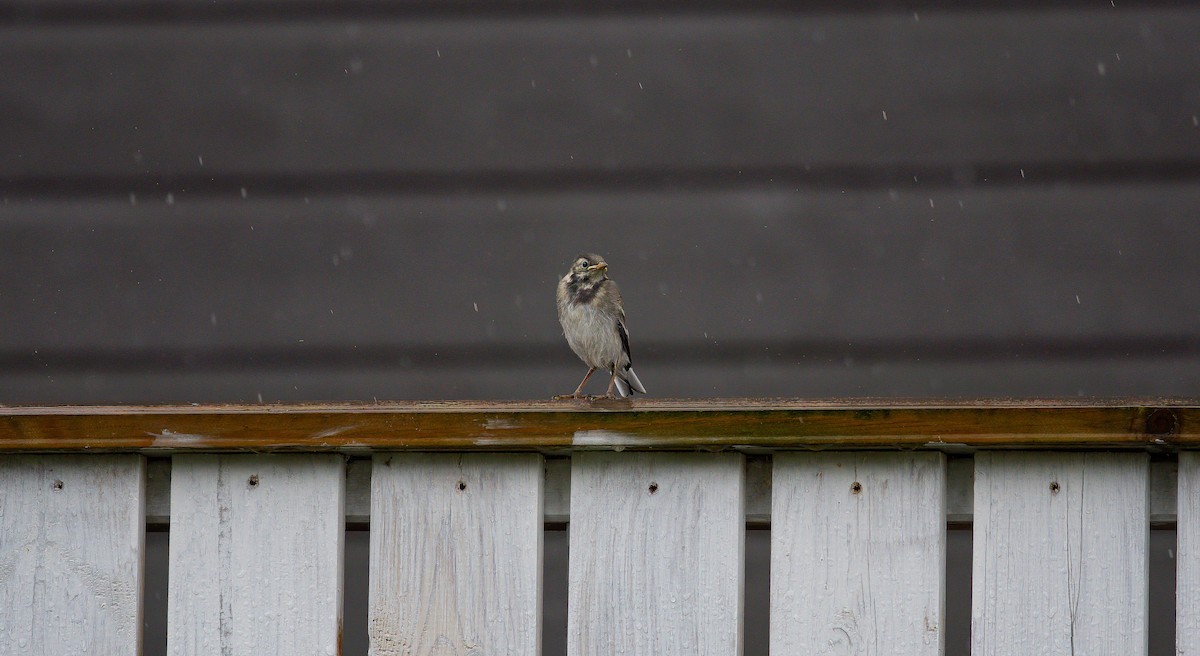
(551, 426)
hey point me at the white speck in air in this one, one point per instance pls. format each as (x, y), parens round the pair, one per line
(475, 305)
(884, 114)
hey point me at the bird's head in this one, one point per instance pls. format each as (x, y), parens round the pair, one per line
(589, 267)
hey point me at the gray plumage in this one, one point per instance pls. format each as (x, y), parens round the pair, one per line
(593, 321)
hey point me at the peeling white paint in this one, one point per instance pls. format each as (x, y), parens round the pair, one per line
(172, 436)
(330, 432)
(498, 424)
(605, 438)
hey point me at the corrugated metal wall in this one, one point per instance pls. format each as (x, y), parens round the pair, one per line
(299, 199)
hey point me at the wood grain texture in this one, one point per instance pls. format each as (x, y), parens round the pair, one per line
(858, 553)
(1060, 554)
(1187, 565)
(71, 550)
(1157, 424)
(256, 555)
(456, 554)
(656, 561)
(600, 93)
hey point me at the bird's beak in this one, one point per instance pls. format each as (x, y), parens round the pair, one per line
(602, 266)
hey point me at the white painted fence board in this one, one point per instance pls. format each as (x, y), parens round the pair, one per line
(71, 547)
(858, 553)
(256, 555)
(1187, 564)
(1060, 554)
(456, 554)
(656, 560)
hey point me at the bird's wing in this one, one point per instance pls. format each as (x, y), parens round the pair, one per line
(624, 338)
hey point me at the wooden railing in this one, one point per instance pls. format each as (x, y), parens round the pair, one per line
(1061, 496)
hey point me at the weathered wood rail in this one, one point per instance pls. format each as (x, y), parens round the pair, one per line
(1061, 496)
(1156, 424)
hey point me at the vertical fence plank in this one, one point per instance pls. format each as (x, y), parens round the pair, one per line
(657, 544)
(71, 545)
(456, 554)
(1187, 563)
(256, 555)
(858, 551)
(1060, 554)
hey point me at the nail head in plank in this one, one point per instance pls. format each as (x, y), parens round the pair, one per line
(456, 554)
(657, 549)
(71, 550)
(858, 553)
(1060, 553)
(256, 554)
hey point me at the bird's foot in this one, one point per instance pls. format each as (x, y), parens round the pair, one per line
(571, 397)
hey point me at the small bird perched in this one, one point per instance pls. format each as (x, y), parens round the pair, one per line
(593, 321)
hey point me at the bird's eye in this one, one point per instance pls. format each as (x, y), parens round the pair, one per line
(584, 263)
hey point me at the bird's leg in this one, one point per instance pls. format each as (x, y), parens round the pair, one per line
(611, 382)
(579, 390)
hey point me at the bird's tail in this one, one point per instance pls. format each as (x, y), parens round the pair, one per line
(628, 383)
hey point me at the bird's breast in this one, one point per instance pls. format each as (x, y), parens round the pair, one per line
(592, 334)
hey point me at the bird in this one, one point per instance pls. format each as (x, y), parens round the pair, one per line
(593, 321)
